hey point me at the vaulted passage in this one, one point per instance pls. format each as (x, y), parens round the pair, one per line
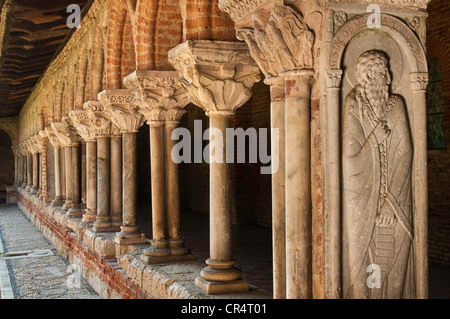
(231, 148)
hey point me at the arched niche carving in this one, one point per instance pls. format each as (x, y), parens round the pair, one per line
(408, 70)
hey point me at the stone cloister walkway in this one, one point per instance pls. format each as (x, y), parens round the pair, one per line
(46, 277)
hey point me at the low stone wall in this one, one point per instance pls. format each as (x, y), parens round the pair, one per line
(125, 277)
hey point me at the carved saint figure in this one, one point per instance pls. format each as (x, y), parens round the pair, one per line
(377, 155)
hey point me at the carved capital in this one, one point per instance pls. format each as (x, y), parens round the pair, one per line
(158, 94)
(82, 122)
(217, 75)
(239, 8)
(419, 81)
(100, 119)
(283, 42)
(122, 109)
(70, 129)
(60, 131)
(52, 137)
(333, 78)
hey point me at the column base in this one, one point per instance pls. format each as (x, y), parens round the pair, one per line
(76, 211)
(57, 202)
(221, 287)
(33, 191)
(130, 235)
(177, 247)
(152, 260)
(67, 205)
(104, 226)
(89, 216)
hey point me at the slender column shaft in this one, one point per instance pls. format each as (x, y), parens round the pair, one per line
(91, 182)
(116, 181)
(103, 220)
(58, 201)
(35, 173)
(158, 179)
(420, 193)
(173, 191)
(332, 268)
(76, 210)
(220, 200)
(277, 109)
(29, 172)
(298, 193)
(68, 176)
(129, 228)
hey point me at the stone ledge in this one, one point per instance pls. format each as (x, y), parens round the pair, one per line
(127, 277)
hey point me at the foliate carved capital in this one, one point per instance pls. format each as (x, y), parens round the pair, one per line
(333, 78)
(52, 137)
(217, 75)
(123, 111)
(83, 124)
(60, 131)
(419, 81)
(158, 94)
(100, 119)
(281, 43)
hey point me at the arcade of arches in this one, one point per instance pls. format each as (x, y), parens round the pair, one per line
(355, 118)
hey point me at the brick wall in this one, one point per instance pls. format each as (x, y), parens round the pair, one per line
(438, 45)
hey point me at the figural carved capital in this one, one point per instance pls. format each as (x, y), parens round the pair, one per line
(217, 75)
(70, 129)
(159, 95)
(60, 131)
(52, 137)
(279, 41)
(100, 119)
(83, 124)
(122, 109)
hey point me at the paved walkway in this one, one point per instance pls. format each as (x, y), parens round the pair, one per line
(30, 266)
(46, 274)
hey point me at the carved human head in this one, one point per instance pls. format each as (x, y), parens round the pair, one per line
(372, 65)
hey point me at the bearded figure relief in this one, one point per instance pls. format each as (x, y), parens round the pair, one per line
(377, 155)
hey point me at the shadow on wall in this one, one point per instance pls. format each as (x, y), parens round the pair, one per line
(6, 165)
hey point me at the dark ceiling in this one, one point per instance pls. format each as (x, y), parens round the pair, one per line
(34, 31)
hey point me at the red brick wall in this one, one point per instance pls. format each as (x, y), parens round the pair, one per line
(438, 45)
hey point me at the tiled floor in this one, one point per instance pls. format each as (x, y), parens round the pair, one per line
(47, 277)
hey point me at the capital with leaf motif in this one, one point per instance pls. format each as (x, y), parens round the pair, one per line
(158, 94)
(124, 112)
(82, 122)
(218, 75)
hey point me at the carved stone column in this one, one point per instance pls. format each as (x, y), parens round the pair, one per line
(35, 156)
(116, 177)
(101, 125)
(419, 82)
(124, 114)
(77, 207)
(281, 43)
(15, 149)
(218, 77)
(41, 143)
(85, 128)
(66, 143)
(161, 98)
(29, 180)
(59, 199)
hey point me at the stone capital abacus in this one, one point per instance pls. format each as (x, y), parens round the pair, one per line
(217, 75)
(159, 95)
(122, 109)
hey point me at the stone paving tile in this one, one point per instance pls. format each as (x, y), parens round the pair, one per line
(46, 277)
